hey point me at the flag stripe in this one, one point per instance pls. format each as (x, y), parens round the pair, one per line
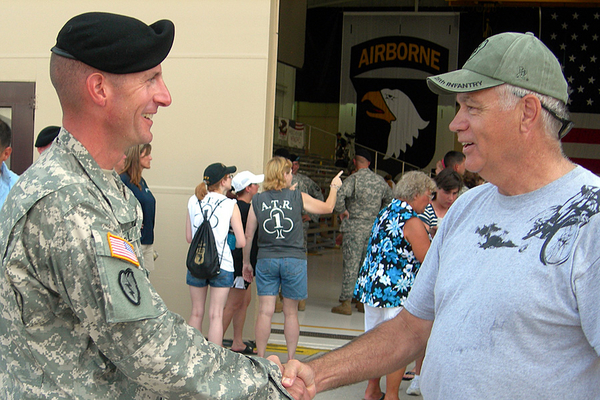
(582, 135)
(588, 163)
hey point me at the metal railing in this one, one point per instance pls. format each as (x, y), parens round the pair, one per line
(320, 142)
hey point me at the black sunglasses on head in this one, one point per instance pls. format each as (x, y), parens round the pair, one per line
(567, 125)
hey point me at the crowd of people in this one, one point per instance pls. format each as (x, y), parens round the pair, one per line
(449, 274)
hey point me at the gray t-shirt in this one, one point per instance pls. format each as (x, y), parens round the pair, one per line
(513, 286)
(279, 216)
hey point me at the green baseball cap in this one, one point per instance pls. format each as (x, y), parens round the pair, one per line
(519, 59)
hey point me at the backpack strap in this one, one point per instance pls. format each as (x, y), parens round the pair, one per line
(204, 213)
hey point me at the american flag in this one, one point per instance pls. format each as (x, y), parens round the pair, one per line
(573, 35)
(299, 126)
(121, 248)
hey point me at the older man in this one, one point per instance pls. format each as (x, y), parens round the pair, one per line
(510, 282)
(78, 315)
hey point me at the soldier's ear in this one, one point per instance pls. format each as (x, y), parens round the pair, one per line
(96, 88)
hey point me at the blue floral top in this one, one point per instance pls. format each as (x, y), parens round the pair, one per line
(390, 266)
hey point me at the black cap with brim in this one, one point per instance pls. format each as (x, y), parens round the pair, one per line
(47, 135)
(115, 43)
(217, 171)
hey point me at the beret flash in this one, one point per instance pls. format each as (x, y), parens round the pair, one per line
(115, 43)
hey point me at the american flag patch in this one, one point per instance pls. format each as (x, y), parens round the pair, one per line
(121, 248)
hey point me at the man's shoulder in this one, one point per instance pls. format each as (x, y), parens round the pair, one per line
(57, 177)
(301, 176)
(580, 175)
(366, 173)
(51, 174)
(10, 175)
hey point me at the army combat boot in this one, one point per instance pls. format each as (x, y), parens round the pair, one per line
(345, 308)
(360, 307)
(302, 305)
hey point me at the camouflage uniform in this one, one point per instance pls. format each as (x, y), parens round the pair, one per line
(310, 187)
(363, 194)
(79, 317)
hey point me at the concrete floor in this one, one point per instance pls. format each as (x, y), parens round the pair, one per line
(321, 330)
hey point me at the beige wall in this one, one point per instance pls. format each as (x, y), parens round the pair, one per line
(221, 74)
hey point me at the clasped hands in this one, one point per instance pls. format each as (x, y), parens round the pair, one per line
(298, 378)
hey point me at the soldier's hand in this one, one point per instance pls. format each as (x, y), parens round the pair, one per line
(344, 215)
(276, 360)
(299, 380)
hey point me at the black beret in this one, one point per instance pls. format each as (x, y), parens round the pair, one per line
(363, 153)
(281, 152)
(47, 135)
(115, 43)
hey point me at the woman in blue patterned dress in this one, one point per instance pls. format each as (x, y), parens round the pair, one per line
(397, 247)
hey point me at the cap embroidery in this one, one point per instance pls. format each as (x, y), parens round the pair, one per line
(478, 49)
(522, 73)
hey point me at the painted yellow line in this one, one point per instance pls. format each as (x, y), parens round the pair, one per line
(324, 327)
(280, 348)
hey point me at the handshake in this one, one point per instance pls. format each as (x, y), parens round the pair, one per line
(386, 348)
(298, 378)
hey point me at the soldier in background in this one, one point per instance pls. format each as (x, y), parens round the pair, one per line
(78, 316)
(46, 137)
(359, 200)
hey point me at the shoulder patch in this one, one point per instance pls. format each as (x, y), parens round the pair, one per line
(121, 248)
(129, 286)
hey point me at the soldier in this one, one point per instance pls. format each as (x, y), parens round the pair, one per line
(46, 137)
(359, 200)
(79, 317)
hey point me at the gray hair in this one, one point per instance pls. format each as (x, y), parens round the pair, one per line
(413, 184)
(510, 95)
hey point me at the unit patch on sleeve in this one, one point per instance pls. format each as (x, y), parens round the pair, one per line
(129, 286)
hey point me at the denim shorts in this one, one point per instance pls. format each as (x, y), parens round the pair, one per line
(224, 279)
(289, 273)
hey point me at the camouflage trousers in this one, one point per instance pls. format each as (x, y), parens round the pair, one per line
(354, 249)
